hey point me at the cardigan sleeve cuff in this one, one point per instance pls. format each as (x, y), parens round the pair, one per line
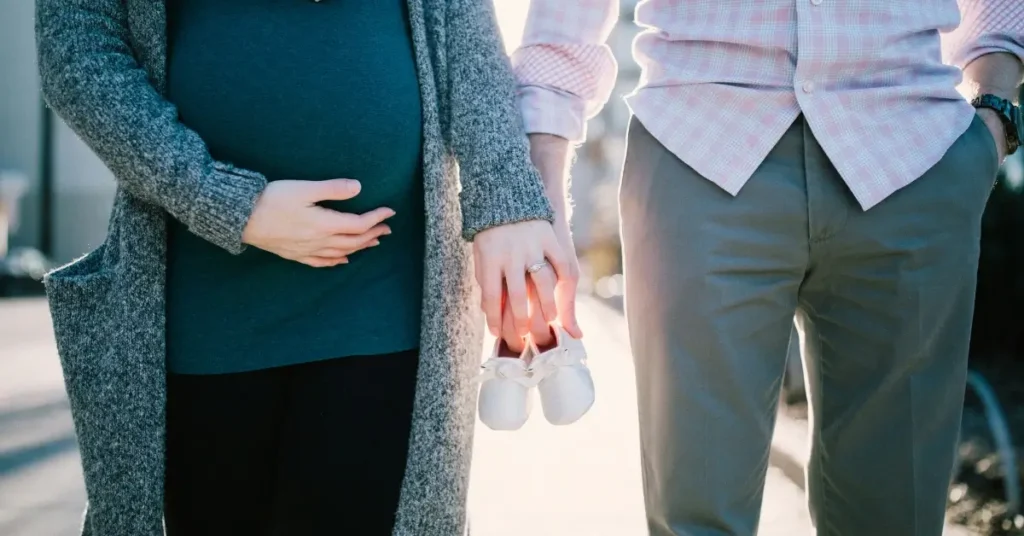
(496, 199)
(223, 205)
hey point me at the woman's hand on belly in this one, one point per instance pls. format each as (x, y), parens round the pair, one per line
(287, 222)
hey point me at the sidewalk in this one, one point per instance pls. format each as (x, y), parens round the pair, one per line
(584, 479)
(580, 480)
(783, 510)
(41, 488)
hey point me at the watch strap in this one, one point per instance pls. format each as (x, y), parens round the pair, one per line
(1008, 113)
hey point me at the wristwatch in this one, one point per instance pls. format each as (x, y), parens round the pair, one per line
(1010, 115)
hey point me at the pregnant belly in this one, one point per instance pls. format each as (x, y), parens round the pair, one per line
(375, 141)
(305, 110)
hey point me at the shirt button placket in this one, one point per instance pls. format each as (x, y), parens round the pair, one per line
(807, 86)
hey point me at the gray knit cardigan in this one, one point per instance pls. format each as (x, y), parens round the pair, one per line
(103, 71)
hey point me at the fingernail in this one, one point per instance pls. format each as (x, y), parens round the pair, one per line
(375, 243)
(387, 231)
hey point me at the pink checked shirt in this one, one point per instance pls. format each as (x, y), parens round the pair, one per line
(723, 79)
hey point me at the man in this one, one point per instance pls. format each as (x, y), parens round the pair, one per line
(807, 157)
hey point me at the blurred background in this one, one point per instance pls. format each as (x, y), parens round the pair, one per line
(55, 196)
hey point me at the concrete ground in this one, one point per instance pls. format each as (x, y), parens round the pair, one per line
(584, 479)
(581, 480)
(41, 491)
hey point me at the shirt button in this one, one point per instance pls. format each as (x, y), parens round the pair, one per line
(807, 86)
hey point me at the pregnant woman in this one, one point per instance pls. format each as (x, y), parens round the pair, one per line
(278, 335)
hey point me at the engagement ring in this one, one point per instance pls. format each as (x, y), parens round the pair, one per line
(536, 267)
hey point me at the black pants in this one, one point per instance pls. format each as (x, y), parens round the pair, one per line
(312, 449)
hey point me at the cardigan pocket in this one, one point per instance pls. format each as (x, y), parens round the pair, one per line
(78, 295)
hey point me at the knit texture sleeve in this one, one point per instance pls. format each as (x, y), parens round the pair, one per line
(500, 185)
(92, 80)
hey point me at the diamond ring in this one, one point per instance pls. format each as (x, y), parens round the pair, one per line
(536, 267)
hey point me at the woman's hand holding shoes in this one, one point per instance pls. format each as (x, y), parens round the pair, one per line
(527, 274)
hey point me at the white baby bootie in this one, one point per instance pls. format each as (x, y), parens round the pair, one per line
(505, 383)
(565, 384)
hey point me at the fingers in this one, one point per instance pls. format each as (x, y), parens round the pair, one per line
(565, 297)
(501, 254)
(356, 242)
(328, 257)
(368, 220)
(512, 339)
(335, 253)
(341, 223)
(517, 304)
(542, 294)
(540, 328)
(366, 245)
(556, 257)
(565, 288)
(332, 190)
(489, 278)
(330, 253)
(323, 262)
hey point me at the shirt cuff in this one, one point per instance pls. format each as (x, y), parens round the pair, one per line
(990, 44)
(549, 111)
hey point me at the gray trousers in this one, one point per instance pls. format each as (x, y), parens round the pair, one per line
(883, 301)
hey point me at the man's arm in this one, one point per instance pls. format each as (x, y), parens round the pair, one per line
(564, 70)
(989, 47)
(997, 74)
(564, 73)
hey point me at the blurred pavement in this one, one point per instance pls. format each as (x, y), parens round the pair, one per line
(584, 479)
(41, 490)
(581, 480)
